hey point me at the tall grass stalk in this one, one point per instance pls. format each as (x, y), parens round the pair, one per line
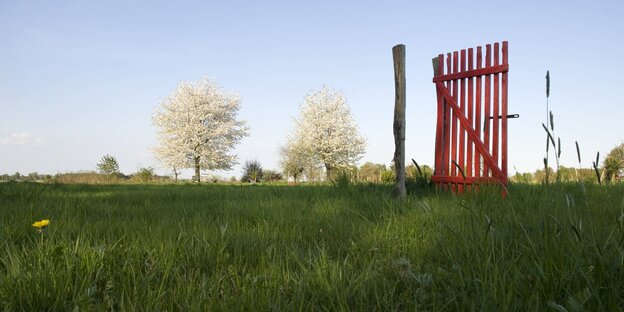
(546, 128)
(550, 136)
(576, 172)
(595, 165)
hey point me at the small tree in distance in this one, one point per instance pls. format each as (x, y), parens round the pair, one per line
(614, 164)
(370, 172)
(295, 158)
(252, 171)
(145, 174)
(271, 175)
(108, 165)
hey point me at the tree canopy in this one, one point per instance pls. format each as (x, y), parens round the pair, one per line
(295, 158)
(197, 127)
(252, 171)
(614, 164)
(108, 165)
(326, 130)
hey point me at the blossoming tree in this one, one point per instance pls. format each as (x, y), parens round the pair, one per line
(197, 127)
(328, 131)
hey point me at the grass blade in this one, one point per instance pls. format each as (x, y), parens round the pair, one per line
(550, 137)
(417, 167)
(460, 169)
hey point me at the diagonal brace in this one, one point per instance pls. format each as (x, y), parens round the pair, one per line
(468, 127)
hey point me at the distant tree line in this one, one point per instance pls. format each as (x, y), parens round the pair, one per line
(612, 171)
(368, 172)
(566, 174)
(31, 177)
(108, 172)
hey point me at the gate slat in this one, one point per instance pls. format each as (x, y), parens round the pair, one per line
(454, 120)
(478, 112)
(462, 107)
(505, 111)
(447, 123)
(486, 113)
(469, 155)
(439, 70)
(439, 126)
(495, 104)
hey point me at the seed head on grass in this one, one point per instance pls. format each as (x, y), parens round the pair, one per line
(547, 83)
(578, 153)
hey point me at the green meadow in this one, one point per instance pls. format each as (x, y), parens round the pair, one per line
(310, 247)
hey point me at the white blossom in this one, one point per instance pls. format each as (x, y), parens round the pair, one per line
(197, 127)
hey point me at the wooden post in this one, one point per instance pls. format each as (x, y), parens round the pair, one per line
(398, 54)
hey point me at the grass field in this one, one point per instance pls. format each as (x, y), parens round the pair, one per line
(328, 248)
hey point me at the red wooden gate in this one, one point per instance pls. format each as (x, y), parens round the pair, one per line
(471, 132)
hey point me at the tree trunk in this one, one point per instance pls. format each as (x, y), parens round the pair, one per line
(175, 174)
(327, 172)
(197, 170)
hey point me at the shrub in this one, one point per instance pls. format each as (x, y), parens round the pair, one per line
(145, 174)
(252, 171)
(272, 175)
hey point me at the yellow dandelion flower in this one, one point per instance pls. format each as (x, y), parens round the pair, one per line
(41, 224)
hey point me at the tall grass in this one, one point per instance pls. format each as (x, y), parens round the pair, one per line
(217, 247)
(550, 136)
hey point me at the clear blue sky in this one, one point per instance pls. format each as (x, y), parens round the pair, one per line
(80, 79)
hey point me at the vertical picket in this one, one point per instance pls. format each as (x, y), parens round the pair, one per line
(469, 163)
(495, 104)
(462, 107)
(478, 112)
(439, 143)
(504, 113)
(447, 123)
(454, 119)
(486, 117)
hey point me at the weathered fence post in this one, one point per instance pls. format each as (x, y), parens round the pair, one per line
(398, 55)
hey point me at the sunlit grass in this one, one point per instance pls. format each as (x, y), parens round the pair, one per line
(225, 247)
